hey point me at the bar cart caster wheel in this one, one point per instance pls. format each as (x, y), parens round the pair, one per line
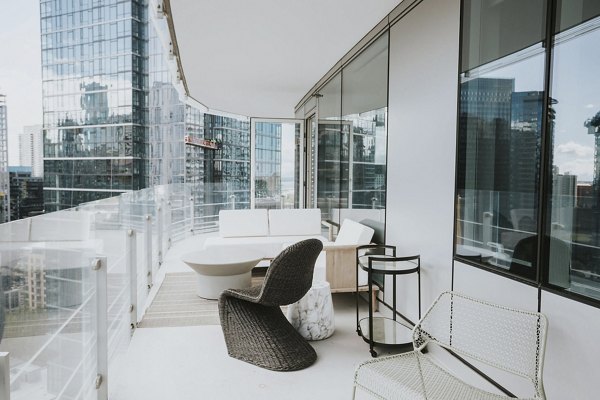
(373, 353)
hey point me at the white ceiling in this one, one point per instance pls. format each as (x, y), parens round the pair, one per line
(260, 57)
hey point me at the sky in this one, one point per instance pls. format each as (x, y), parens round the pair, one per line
(20, 68)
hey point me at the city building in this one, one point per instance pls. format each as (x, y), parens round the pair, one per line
(93, 81)
(26, 193)
(31, 149)
(114, 108)
(227, 168)
(4, 179)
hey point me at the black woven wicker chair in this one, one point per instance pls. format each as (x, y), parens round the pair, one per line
(255, 329)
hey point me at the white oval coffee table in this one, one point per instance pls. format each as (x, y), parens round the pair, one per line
(221, 268)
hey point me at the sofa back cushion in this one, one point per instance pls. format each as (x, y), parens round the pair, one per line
(238, 223)
(351, 232)
(287, 222)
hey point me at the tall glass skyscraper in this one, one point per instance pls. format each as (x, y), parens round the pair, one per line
(94, 79)
(4, 178)
(114, 104)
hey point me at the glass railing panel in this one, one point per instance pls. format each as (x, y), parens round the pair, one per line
(214, 198)
(50, 288)
(17, 231)
(135, 214)
(50, 329)
(179, 211)
(67, 225)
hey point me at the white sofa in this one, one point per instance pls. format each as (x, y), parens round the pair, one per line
(266, 230)
(270, 231)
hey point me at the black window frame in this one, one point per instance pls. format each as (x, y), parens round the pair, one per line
(541, 281)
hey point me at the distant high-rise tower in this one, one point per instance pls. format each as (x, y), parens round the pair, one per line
(525, 148)
(31, 150)
(484, 142)
(4, 178)
(26, 193)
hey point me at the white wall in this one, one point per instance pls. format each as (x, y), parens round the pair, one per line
(572, 365)
(422, 141)
(424, 51)
(494, 288)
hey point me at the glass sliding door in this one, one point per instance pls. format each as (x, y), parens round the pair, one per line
(277, 170)
(311, 155)
(364, 110)
(332, 156)
(348, 145)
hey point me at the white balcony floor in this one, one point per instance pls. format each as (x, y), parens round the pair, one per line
(191, 362)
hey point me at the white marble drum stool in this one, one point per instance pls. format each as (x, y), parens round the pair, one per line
(221, 268)
(313, 315)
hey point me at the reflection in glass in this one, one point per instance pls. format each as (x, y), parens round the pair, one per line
(364, 107)
(333, 174)
(574, 204)
(332, 154)
(352, 140)
(500, 125)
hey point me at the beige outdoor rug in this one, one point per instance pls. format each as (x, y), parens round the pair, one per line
(176, 304)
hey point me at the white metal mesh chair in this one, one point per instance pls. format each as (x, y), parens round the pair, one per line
(508, 339)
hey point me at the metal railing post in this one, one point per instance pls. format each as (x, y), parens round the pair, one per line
(169, 223)
(99, 265)
(4, 376)
(160, 223)
(131, 265)
(148, 249)
(192, 214)
(487, 227)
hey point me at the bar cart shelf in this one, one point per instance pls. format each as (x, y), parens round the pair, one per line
(379, 330)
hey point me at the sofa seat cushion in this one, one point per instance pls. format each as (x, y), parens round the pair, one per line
(291, 222)
(243, 223)
(271, 246)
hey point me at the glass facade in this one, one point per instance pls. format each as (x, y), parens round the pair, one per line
(364, 106)
(332, 155)
(94, 77)
(26, 193)
(194, 155)
(227, 169)
(352, 138)
(164, 153)
(268, 164)
(520, 142)
(4, 178)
